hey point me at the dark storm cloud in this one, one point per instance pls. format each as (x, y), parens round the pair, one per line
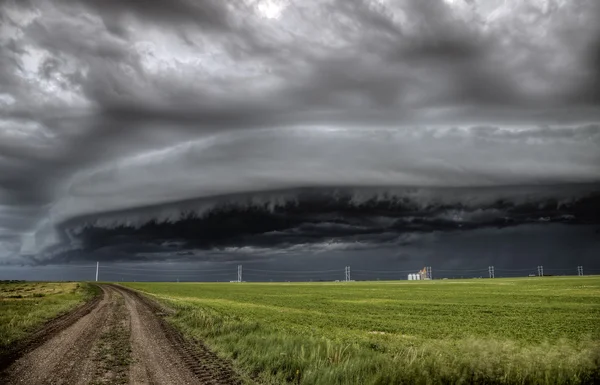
(111, 105)
(318, 221)
(515, 252)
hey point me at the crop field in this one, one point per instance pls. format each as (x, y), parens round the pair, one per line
(26, 305)
(508, 331)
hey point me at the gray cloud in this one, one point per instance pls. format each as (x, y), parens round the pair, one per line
(210, 14)
(111, 105)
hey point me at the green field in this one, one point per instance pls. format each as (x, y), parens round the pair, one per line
(24, 306)
(513, 331)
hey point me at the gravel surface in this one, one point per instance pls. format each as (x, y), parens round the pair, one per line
(118, 338)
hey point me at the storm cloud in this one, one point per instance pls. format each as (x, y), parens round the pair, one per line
(205, 130)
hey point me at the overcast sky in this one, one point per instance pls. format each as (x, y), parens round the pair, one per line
(116, 112)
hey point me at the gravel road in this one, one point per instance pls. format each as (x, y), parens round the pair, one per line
(118, 338)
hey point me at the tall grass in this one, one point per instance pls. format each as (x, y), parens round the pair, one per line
(501, 332)
(27, 305)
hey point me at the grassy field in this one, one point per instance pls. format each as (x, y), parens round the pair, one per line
(26, 305)
(506, 331)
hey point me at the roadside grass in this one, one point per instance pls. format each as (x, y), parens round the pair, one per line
(501, 331)
(24, 306)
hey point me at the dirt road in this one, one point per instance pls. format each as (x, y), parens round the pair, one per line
(119, 338)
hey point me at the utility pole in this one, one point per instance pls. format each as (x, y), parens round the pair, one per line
(580, 271)
(97, 267)
(491, 271)
(540, 271)
(239, 273)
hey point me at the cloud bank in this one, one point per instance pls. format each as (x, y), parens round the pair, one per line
(113, 111)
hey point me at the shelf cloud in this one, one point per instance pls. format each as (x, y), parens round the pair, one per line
(208, 130)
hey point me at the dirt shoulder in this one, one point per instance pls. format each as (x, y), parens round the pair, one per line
(117, 338)
(49, 330)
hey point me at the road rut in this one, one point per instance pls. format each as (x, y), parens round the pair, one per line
(118, 339)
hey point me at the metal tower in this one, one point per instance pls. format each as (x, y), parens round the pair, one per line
(428, 273)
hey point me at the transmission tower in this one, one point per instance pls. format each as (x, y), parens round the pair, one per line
(491, 271)
(347, 273)
(540, 271)
(239, 273)
(428, 273)
(580, 271)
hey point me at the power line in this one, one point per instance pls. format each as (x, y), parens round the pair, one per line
(514, 269)
(383, 271)
(161, 269)
(558, 269)
(169, 274)
(287, 276)
(292, 271)
(329, 274)
(459, 270)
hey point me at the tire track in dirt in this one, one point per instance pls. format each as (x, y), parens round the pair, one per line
(45, 333)
(65, 358)
(117, 338)
(170, 359)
